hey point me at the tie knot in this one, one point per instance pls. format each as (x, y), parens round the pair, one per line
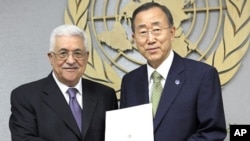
(72, 92)
(156, 76)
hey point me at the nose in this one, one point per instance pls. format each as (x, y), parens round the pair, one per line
(151, 37)
(70, 59)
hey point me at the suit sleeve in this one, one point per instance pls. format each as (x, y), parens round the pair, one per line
(210, 112)
(122, 99)
(22, 121)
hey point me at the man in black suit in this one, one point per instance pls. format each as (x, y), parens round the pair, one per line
(40, 109)
(188, 93)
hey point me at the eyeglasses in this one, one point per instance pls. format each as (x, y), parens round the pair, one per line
(65, 54)
(155, 32)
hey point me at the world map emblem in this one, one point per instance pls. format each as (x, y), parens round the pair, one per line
(215, 32)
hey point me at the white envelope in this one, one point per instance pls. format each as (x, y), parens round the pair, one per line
(130, 124)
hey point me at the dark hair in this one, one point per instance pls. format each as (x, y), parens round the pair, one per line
(150, 5)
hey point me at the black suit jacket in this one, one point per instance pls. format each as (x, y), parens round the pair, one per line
(190, 108)
(41, 113)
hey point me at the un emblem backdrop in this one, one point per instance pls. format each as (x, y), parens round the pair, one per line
(215, 32)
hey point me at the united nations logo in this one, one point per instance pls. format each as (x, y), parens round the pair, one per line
(215, 32)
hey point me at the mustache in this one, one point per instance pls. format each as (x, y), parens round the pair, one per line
(70, 67)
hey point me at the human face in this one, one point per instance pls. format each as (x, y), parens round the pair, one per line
(155, 48)
(68, 70)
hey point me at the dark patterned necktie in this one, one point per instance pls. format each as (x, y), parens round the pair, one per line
(75, 107)
(156, 91)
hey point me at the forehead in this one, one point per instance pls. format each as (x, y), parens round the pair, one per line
(69, 42)
(150, 17)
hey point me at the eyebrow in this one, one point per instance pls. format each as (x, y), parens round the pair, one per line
(157, 23)
(63, 49)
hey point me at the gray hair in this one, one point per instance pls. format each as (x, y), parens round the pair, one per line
(67, 30)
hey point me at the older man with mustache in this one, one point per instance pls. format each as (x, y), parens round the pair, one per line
(62, 106)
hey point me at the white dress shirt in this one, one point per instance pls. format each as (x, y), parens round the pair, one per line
(64, 89)
(163, 69)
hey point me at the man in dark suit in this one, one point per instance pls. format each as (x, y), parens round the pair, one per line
(190, 106)
(41, 110)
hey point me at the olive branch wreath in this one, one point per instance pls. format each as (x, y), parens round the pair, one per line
(97, 69)
(226, 58)
(233, 46)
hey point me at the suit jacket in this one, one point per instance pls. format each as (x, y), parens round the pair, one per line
(41, 113)
(190, 108)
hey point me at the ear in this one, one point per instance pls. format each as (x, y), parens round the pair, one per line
(172, 31)
(50, 57)
(133, 38)
(87, 56)
(133, 35)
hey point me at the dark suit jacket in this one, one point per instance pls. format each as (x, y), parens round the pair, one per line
(41, 113)
(190, 108)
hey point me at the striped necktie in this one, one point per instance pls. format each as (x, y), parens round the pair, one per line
(75, 107)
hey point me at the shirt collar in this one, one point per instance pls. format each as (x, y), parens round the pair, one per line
(163, 69)
(64, 87)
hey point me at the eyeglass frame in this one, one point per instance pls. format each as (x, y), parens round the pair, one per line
(66, 54)
(145, 34)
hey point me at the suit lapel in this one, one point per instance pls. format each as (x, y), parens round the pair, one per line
(89, 105)
(142, 88)
(173, 84)
(54, 98)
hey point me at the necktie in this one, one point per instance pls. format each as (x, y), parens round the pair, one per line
(156, 91)
(75, 107)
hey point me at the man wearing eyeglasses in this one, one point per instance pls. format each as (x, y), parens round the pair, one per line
(62, 106)
(185, 94)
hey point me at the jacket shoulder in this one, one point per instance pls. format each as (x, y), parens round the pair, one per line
(33, 85)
